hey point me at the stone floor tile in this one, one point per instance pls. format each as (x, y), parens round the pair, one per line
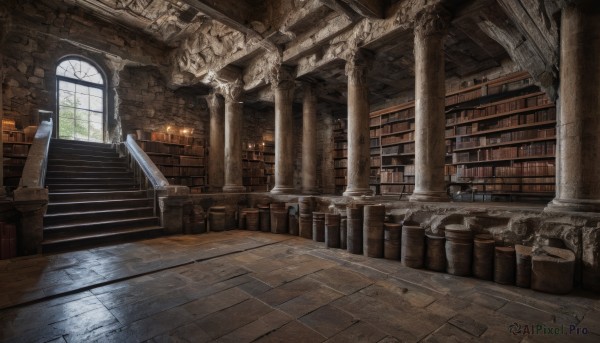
(223, 322)
(341, 279)
(309, 301)
(526, 313)
(449, 334)
(485, 300)
(328, 320)
(468, 325)
(283, 293)
(389, 339)
(255, 287)
(258, 328)
(191, 333)
(359, 332)
(205, 306)
(299, 332)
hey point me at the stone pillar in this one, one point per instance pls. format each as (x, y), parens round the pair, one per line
(359, 159)
(216, 165)
(309, 140)
(430, 147)
(283, 86)
(578, 129)
(232, 92)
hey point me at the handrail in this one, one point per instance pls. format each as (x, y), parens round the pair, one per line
(153, 174)
(34, 171)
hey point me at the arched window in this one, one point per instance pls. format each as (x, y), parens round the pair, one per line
(81, 100)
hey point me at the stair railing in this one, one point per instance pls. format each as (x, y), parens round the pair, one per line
(147, 174)
(34, 171)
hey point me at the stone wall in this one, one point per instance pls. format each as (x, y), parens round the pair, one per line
(145, 102)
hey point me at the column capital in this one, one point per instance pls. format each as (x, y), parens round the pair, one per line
(278, 75)
(231, 90)
(431, 21)
(214, 101)
(358, 62)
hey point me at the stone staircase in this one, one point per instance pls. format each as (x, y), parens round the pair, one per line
(93, 198)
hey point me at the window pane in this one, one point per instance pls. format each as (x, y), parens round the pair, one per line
(66, 112)
(80, 70)
(82, 101)
(96, 92)
(96, 104)
(96, 117)
(66, 86)
(96, 131)
(81, 130)
(82, 89)
(66, 98)
(82, 115)
(65, 129)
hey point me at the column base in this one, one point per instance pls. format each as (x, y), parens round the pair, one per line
(429, 197)
(233, 189)
(355, 192)
(310, 192)
(282, 190)
(573, 205)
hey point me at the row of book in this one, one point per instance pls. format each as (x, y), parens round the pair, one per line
(491, 154)
(396, 189)
(342, 163)
(397, 139)
(177, 160)
(16, 149)
(407, 148)
(408, 113)
(398, 126)
(190, 182)
(374, 142)
(161, 148)
(462, 97)
(253, 172)
(375, 132)
(165, 137)
(340, 145)
(504, 123)
(173, 171)
(517, 169)
(504, 137)
(388, 176)
(375, 161)
(340, 153)
(480, 113)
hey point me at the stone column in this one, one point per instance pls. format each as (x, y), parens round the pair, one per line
(578, 129)
(232, 92)
(283, 86)
(359, 159)
(216, 165)
(430, 147)
(309, 140)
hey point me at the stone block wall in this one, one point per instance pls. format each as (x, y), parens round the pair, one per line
(145, 103)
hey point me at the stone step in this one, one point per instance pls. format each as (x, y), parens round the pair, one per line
(72, 143)
(59, 159)
(74, 188)
(100, 205)
(64, 197)
(75, 229)
(110, 152)
(86, 163)
(89, 174)
(89, 181)
(85, 169)
(88, 217)
(80, 241)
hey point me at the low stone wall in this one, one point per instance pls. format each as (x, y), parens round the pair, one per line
(510, 224)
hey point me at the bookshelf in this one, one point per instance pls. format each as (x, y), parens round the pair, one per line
(340, 154)
(500, 139)
(16, 144)
(181, 159)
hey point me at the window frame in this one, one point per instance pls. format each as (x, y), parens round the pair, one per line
(103, 87)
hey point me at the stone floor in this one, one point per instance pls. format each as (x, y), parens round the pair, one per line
(239, 286)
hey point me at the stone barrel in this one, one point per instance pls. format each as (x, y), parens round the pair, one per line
(504, 265)
(483, 257)
(252, 219)
(332, 230)
(392, 234)
(459, 249)
(278, 217)
(435, 256)
(354, 231)
(412, 249)
(318, 227)
(552, 270)
(216, 218)
(265, 218)
(373, 217)
(523, 278)
(305, 225)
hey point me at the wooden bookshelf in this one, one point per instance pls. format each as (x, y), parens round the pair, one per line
(16, 144)
(340, 154)
(496, 131)
(258, 162)
(181, 159)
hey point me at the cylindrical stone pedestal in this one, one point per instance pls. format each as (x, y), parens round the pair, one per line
(413, 246)
(523, 278)
(265, 218)
(435, 258)
(318, 228)
(483, 258)
(391, 240)
(373, 218)
(355, 229)
(504, 265)
(216, 218)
